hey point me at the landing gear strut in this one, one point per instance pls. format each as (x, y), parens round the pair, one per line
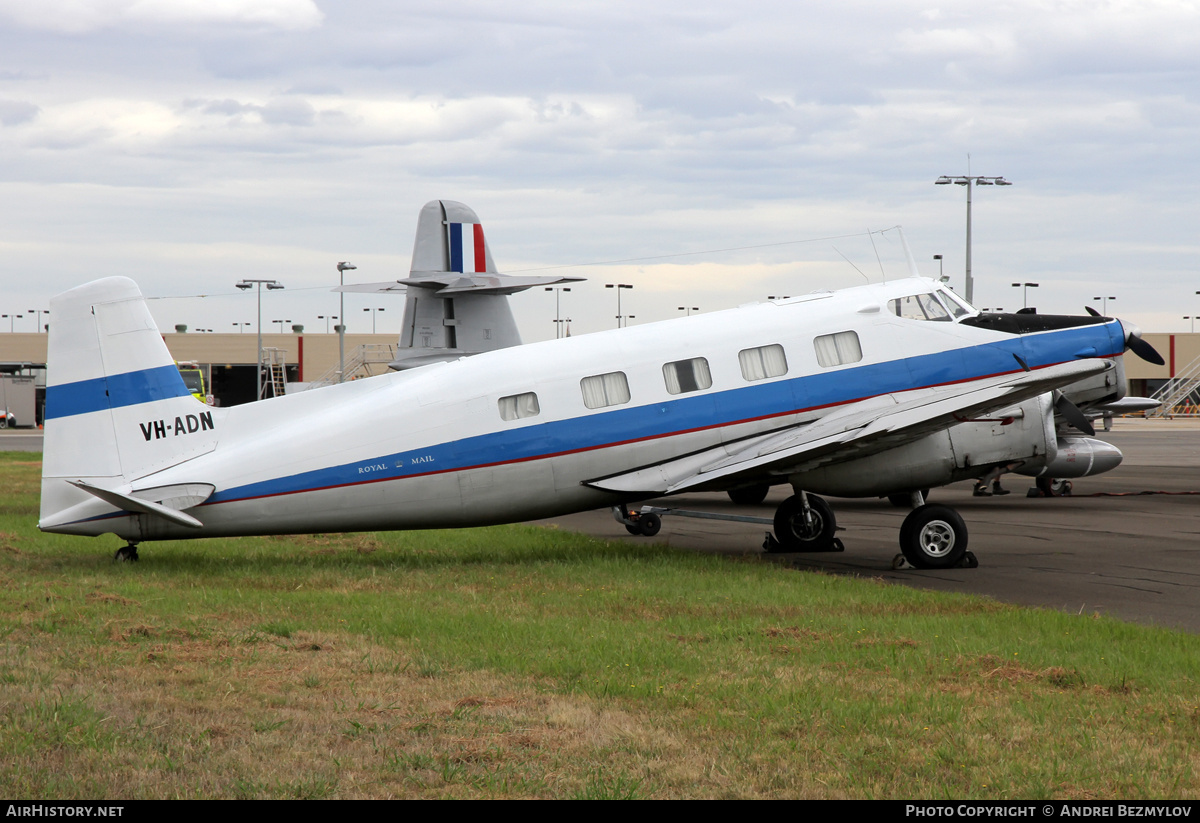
(127, 552)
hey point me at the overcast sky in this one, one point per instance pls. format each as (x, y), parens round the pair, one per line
(191, 143)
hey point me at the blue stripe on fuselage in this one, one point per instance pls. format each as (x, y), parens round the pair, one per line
(114, 391)
(750, 402)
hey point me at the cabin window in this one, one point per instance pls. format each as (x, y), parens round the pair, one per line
(602, 390)
(838, 349)
(918, 307)
(517, 406)
(763, 362)
(685, 376)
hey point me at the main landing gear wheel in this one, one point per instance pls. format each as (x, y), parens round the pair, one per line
(795, 533)
(933, 537)
(126, 553)
(749, 496)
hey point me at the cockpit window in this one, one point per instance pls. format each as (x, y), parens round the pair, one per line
(958, 306)
(919, 307)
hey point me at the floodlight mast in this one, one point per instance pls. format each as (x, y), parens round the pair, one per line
(970, 181)
(342, 268)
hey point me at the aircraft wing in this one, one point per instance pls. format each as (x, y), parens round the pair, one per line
(855, 430)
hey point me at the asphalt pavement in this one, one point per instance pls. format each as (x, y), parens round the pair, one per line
(1109, 548)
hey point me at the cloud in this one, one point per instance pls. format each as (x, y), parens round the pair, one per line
(16, 112)
(81, 16)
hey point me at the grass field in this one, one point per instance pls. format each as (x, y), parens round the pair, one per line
(526, 662)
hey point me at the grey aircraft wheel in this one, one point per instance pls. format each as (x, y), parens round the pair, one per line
(649, 524)
(794, 534)
(750, 495)
(933, 537)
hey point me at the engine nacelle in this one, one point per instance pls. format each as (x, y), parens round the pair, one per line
(1078, 457)
(1022, 434)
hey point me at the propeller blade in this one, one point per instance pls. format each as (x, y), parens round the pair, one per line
(1092, 311)
(1144, 350)
(1072, 414)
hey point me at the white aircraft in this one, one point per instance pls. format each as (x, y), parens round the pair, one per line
(876, 390)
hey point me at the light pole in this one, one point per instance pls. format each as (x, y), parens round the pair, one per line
(1025, 293)
(779, 297)
(1191, 317)
(327, 318)
(271, 285)
(241, 327)
(374, 314)
(558, 290)
(39, 313)
(689, 309)
(618, 287)
(1104, 304)
(941, 274)
(970, 182)
(281, 322)
(341, 329)
(12, 320)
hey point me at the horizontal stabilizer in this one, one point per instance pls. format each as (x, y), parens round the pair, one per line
(451, 283)
(126, 502)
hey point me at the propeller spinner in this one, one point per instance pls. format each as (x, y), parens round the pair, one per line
(1134, 341)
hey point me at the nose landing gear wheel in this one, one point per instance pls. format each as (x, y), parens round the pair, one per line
(933, 537)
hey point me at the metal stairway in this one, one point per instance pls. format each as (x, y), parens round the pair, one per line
(367, 360)
(1179, 394)
(274, 367)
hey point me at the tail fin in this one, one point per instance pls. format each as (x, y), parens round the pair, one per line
(117, 408)
(450, 239)
(457, 303)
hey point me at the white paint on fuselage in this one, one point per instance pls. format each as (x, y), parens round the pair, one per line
(362, 425)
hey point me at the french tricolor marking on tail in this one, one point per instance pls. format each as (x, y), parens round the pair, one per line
(466, 248)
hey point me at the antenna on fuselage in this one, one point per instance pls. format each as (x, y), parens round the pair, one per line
(882, 273)
(912, 263)
(851, 262)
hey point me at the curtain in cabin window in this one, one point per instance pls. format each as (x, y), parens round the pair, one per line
(602, 390)
(684, 376)
(517, 406)
(763, 362)
(838, 349)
